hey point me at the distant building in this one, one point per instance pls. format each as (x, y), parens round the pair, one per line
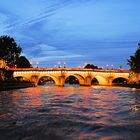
(2, 74)
(3, 63)
(3, 67)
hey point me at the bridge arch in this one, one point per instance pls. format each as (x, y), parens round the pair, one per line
(100, 80)
(45, 80)
(80, 78)
(119, 80)
(94, 81)
(49, 76)
(71, 80)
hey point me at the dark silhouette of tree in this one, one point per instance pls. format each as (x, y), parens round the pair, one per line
(9, 74)
(9, 50)
(23, 62)
(91, 66)
(134, 61)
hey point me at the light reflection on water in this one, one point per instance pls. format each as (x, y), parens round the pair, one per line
(70, 113)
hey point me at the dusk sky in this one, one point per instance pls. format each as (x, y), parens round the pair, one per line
(73, 31)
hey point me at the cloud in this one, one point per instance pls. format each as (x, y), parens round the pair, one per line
(71, 30)
(45, 52)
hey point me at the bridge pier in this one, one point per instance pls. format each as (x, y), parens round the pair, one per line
(109, 81)
(87, 81)
(34, 79)
(61, 81)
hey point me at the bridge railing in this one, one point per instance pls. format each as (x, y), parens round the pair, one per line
(69, 69)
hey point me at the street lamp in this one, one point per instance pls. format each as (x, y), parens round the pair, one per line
(112, 66)
(64, 64)
(59, 64)
(31, 65)
(15, 66)
(37, 63)
(107, 66)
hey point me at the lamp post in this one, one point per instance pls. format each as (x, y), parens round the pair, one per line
(15, 66)
(31, 65)
(59, 64)
(64, 64)
(112, 66)
(37, 63)
(107, 66)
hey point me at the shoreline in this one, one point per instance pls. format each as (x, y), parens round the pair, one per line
(137, 86)
(8, 85)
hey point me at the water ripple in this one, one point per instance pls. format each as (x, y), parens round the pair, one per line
(70, 113)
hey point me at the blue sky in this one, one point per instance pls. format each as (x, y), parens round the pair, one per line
(73, 31)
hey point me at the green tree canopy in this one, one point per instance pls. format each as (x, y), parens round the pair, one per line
(134, 61)
(91, 66)
(23, 62)
(9, 50)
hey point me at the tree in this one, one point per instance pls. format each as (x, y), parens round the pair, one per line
(9, 50)
(23, 62)
(91, 66)
(134, 61)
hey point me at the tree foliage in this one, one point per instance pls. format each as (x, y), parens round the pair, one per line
(23, 62)
(134, 61)
(9, 50)
(91, 66)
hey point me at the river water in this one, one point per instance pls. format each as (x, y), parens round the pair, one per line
(70, 113)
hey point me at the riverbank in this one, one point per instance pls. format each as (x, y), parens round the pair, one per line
(7, 85)
(135, 85)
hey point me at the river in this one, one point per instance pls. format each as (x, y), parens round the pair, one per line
(70, 113)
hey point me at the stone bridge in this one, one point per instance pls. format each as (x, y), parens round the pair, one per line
(84, 76)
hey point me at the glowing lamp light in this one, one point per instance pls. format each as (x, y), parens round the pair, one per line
(37, 63)
(64, 64)
(59, 63)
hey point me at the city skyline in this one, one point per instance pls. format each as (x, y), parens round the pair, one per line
(73, 32)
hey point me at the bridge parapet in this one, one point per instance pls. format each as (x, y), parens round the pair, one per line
(69, 69)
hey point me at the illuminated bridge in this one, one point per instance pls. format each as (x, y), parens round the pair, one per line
(84, 76)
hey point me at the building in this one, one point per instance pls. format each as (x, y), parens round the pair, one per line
(3, 66)
(3, 63)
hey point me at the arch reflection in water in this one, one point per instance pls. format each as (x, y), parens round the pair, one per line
(46, 80)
